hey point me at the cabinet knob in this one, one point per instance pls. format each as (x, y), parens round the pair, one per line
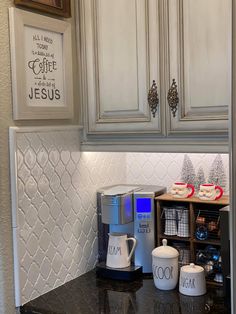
(173, 98)
(153, 99)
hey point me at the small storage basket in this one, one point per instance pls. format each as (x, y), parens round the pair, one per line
(184, 253)
(175, 221)
(207, 225)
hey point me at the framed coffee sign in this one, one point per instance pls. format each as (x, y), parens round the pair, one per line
(58, 7)
(41, 63)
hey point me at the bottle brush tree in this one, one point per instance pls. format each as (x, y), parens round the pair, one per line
(217, 174)
(188, 172)
(200, 178)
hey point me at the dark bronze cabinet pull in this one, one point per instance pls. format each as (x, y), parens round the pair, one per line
(153, 99)
(173, 98)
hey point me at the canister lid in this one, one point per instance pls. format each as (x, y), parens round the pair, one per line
(165, 251)
(192, 268)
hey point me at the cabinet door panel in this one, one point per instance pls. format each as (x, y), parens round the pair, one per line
(118, 56)
(121, 57)
(200, 61)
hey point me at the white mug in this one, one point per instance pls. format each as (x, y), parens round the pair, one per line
(210, 192)
(118, 255)
(182, 190)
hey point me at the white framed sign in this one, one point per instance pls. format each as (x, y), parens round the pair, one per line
(41, 63)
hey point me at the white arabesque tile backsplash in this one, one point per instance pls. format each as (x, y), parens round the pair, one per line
(165, 168)
(54, 201)
(54, 217)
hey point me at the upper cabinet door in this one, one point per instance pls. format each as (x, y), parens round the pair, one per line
(120, 52)
(199, 45)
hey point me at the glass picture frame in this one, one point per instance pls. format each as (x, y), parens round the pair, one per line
(41, 66)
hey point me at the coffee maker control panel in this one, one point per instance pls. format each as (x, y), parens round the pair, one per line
(144, 229)
(143, 209)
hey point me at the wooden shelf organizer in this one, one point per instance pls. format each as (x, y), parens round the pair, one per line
(193, 204)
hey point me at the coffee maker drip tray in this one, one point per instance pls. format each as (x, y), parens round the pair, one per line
(128, 274)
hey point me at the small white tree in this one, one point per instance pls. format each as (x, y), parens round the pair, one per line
(217, 174)
(188, 172)
(200, 178)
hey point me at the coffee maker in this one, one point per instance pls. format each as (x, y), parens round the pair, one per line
(128, 209)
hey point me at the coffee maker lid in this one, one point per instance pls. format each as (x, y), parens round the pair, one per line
(120, 189)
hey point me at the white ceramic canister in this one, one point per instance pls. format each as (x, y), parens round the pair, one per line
(165, 266)
(192, 280)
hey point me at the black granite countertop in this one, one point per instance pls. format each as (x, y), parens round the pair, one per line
(90, 295)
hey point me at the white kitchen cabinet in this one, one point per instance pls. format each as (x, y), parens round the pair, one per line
(121, 43)
(125, 45)
(199, 59)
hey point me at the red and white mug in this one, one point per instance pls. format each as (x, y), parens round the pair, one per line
(182, 190)
(210, 192)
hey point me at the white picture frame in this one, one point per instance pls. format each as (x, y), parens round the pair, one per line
(41, 66)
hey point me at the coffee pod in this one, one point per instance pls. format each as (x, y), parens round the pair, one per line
(201, 233)
(218, 277)
(200, 220)
(209, 268)
(212, 226)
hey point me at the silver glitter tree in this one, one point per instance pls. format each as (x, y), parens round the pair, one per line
(217, 174)
(188, 172)
(200, 178)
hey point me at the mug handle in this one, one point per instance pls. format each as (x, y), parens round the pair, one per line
(217, 187)
(132, 250)
(190, 186)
